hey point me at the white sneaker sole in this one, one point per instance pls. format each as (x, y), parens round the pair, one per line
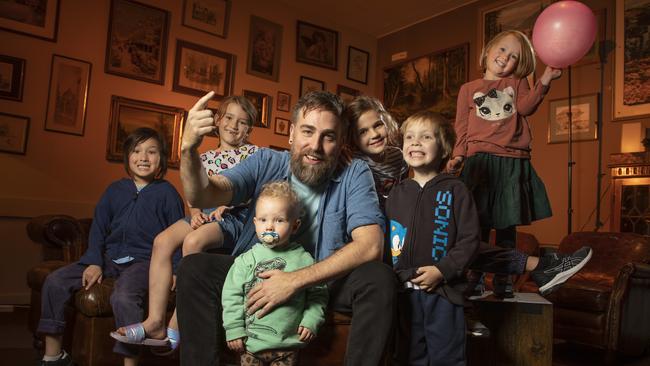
(562, 277)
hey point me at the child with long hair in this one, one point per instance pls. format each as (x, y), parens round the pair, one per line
(374, 138)
(129, 215)
(202, 230)
(494, 141)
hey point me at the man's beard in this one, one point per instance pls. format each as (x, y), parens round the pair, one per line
(312, 175)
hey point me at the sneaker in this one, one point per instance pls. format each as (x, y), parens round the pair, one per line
(503, 286)
(555, 269)
(65, 360)
(477, 329)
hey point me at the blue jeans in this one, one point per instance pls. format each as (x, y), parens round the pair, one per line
(128, 298)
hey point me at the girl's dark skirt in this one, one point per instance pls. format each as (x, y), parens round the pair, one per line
(507, 191)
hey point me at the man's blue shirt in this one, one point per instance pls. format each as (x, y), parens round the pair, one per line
(349, 200)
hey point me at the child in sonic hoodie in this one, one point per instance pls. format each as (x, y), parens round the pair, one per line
(434, 236)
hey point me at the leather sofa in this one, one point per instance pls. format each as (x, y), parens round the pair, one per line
(607, 303)
(89, 316)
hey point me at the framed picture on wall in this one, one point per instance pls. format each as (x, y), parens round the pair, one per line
(346, 93)
(508, 15)
(358, 65)
(284, 102)
(210, 16)
(32, 18)
(404, 96)
(137, 41)
(632, 55)
(199, 69)
(129, 114)
(14, 131)
(308, 84)
(12, 77)
(262, 103)
(68, 95)
(583, 119)
(317, 46)
(282, 126)
(264, 49)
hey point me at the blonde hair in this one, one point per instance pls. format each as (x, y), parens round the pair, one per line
(526, 63)
(244, 103)
(443, 131)
(363, 104)
(282, 190)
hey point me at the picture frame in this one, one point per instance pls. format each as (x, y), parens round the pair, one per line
(308, 84)
(508, 15)
(346, 93)
(12, 77)
(67, 99)
(262, 103)
(584, 119)
(284, 102)
(35, 19)
(126, 115)
(136, 47)
(14, 131)
(358, 61)
(264, 49)
(593, 55)
(209, 16)
(316, 45)
(404, 96)
(631, 94)
(282, 126)
(199, 69)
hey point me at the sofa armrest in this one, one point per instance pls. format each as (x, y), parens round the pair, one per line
(59, 231)
(629, 320)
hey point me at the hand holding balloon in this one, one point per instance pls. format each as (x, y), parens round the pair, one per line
(550, 74)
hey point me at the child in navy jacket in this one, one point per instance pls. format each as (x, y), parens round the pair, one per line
(129, 215)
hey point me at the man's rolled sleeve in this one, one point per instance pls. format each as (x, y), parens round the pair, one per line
(362, 205)
(244, 176)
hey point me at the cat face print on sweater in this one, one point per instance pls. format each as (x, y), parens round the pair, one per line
(495, 105)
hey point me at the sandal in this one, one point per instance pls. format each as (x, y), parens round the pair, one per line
(135, 335)
(174, 338)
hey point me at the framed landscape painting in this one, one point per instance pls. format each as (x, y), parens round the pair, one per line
(68, 95)
(428, 82)
(128, 114)
(632, 59)
(583, 119)
(137, 41)
(210, 16)
(199, 69)
(36, 18)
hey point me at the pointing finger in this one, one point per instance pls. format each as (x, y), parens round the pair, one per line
(203, 102)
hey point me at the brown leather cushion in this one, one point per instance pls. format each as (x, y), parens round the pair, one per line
(36, 276)
(611, 251)
(581, 295)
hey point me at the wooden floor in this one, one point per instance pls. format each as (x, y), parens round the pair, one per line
(16, 345)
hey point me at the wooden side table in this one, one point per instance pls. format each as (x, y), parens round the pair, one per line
(521, 331)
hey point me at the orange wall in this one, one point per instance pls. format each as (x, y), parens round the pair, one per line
(66, 174)
(550, 160)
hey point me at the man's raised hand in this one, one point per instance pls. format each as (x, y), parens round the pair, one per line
(200, 122)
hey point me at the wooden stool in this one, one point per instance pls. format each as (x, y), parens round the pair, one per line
(521, 331)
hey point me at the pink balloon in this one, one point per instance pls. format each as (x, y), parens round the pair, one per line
(563, 33)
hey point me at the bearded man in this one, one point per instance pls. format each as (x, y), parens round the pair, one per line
(341, 228)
